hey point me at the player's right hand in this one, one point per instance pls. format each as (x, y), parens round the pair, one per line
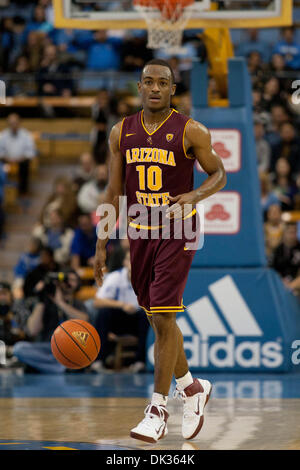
(100, 266)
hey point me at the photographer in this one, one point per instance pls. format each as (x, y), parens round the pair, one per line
(56, 304)
(10, 333)
(46, 265)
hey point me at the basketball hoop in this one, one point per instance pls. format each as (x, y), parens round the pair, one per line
(166, 20)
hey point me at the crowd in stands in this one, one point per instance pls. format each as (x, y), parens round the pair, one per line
(64, 237)
(48, 276)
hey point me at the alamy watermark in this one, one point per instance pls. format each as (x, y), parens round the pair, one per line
(2, 92)
(2, 353)
(141, 222)
(296, 353)
(296, 94)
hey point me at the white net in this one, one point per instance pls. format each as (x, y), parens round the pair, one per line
(165, 24)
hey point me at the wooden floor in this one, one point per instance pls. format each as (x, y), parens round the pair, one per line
(105, 422)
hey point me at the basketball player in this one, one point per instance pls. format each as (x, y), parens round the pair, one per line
(152, 159)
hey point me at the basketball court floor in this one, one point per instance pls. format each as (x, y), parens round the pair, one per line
(96, 412)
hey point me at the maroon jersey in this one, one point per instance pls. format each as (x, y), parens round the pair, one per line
(157, 164)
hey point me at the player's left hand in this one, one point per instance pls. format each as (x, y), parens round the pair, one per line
(183, 205)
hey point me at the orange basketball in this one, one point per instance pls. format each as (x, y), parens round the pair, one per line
(75, 344)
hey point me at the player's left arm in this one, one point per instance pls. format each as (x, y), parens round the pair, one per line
(198, 143)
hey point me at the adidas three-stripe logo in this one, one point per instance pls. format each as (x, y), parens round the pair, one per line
(235, 311)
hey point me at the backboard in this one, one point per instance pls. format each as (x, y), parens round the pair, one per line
(120, 14)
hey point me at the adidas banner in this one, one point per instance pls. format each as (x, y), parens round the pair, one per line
(237, 320)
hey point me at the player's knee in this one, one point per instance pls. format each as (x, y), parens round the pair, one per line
(163, 323)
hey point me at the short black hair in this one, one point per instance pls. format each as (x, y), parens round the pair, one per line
(161, 62)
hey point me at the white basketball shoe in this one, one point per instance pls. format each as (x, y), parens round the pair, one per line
(154, 426)
(194, 397)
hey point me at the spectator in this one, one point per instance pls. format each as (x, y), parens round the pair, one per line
(288, 147)
(256, 67)
(297, 196)
(256, 100)
(6, 42)
(101, 112)
(116, 254)
(271, 94)
(284, 185)
(89, 195)
(48, 7)
(2, 212)
(18, 38)
(39, 22)
(286, 259)
(47, 264)
(52, 75)
(190, 51)
(56, 236)
(135, 54)
(278, 63)
(263, 149)
(84, 172)
(24, 86)
(273, 229)
(120, 314)
(65, 40)
(10, 332)
(120, 109)
(64, 198)
(289, 48)
(268, 197)
(34, 49)
(84, 243)
(279, 115)
(27, 261)
(17, 146)
(185, 104)
(104, 52)
(181, 86)
(253, 43)
(55, 305)
(277, 67)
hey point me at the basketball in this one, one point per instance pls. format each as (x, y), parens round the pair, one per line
(75, 344)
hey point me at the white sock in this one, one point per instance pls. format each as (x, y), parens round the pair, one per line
(159, 399)
(184, 381)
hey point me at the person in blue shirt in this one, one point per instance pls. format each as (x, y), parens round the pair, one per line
(104, 53)
(27, 261)
(71, 40)
(39, 22)
(253, 43)
(6, 42)
(289, 48)
(84, 243)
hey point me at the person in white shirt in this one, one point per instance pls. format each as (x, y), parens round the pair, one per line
(119, 313)
(17, 146)
(89, 195)
(57, 236)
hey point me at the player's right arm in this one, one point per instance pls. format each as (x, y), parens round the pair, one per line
(114, 190)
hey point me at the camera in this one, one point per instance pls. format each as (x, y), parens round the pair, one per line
(50, 282)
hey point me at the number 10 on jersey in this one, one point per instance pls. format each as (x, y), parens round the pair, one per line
(152, 177)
